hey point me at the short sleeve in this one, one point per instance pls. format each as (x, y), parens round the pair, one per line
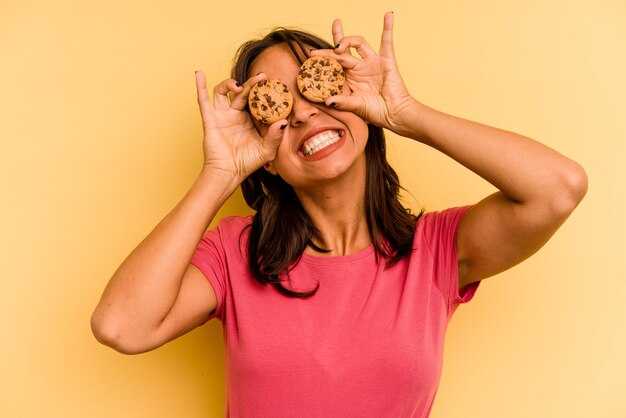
(210, 259)
(440, 230)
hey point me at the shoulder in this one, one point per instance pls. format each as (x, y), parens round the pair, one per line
(437, 229)
(228, 230)
(432, 223)
(234, 223)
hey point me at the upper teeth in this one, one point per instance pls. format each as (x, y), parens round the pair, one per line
(320, 141)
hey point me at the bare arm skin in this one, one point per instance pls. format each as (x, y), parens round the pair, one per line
(156, 295)
(538, 187)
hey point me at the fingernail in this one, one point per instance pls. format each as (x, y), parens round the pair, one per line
(282, 128)
(311, 50)
(260, 73)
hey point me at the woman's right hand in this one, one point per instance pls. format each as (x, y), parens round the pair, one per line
(232, 144)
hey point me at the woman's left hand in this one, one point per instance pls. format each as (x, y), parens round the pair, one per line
(376, 90)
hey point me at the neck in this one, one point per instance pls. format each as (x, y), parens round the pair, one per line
(337, 210)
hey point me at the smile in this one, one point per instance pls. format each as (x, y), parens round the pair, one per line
(319, 142)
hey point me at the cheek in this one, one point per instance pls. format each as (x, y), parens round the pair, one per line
(358, 128)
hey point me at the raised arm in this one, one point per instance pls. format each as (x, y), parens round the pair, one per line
(156, 295)
(538, 187)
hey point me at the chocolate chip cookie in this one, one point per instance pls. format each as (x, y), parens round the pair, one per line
(270, 100)
(320, 77)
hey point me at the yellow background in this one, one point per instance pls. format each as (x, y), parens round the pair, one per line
(100, 138)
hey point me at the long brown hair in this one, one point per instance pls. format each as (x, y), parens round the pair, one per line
(281, 229)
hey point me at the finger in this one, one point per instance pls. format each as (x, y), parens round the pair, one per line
(357, 42)
(337, 31)
(386, 41)
(204, 102)
(346, 60)
(350, 103)
(272, 139)
(220, 92)
(240, 99)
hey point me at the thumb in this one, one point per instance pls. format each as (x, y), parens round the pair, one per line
(272, 139)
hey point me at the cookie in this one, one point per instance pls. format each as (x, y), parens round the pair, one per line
(320, 77)
(270, 100)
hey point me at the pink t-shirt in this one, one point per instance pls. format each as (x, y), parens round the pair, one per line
(369, 343)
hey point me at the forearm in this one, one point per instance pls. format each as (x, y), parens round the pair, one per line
(524, 170)
(145, 286)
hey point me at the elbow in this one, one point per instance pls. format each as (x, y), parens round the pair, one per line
(109, 334)
(573, 188)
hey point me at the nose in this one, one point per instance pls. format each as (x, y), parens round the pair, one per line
(302, 110)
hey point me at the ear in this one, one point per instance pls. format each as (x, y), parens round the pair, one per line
(270, 168)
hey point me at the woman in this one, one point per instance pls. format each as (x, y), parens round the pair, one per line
(334, 299)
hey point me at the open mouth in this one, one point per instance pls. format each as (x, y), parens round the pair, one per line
(319, 142)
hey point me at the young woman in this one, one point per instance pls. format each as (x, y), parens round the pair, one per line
(334, 299)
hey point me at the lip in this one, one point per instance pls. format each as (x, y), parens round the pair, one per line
(316, 131)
